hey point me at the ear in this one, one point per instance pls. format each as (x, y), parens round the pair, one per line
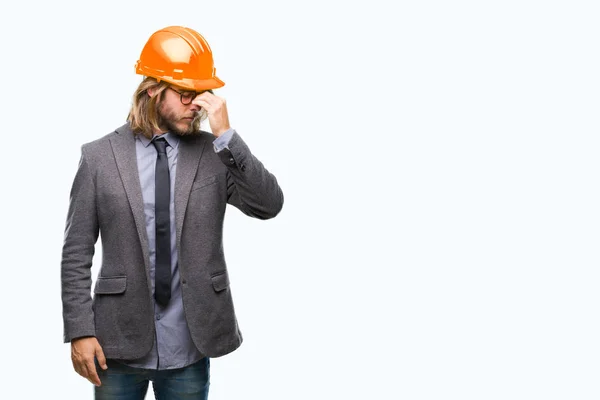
(150, 92)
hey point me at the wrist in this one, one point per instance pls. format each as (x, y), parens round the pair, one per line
(220, 132)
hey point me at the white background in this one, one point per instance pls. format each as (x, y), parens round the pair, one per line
(439, 160)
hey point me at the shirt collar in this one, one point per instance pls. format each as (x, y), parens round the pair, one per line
(171, 138)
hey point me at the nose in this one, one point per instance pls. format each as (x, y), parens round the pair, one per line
(195, 107)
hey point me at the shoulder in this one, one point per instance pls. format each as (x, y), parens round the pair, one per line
(102, 143)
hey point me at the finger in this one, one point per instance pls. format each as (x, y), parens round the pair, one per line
(210, 99)
(204, 97)
(82, 370)
(207, 96)
(100, 357)
(203, 103)
(92, 374)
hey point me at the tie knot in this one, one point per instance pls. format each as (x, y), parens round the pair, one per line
(161, 145)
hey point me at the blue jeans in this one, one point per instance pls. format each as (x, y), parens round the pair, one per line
(122, 382)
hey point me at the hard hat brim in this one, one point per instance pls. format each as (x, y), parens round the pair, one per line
(194, 84)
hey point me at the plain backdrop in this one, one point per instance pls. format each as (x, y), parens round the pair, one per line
(439, 161)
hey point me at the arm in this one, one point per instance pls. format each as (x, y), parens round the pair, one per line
(250, 186)
(81, 234)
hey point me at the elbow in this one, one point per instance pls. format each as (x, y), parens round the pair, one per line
(272, 210)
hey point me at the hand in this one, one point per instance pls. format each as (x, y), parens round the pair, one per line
(83, 351)
(217, 112)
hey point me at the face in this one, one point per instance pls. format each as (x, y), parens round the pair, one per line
(176, 117)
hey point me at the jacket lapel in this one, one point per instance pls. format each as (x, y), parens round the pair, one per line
(190, 151)
(123, 146)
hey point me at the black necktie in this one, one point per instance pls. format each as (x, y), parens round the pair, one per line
(162, 274)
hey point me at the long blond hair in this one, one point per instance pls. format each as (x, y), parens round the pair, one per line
(143, 116)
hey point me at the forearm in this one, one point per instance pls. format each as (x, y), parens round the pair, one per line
(251, 187)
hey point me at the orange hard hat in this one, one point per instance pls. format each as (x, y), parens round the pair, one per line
(180, 56)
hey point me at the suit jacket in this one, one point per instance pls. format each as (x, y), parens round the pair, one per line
(106, 200)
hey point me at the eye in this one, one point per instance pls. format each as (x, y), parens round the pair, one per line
(188, 95)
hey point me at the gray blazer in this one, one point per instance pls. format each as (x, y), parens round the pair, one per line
(106, 199)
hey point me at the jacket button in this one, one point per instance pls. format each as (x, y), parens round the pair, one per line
(231, 160)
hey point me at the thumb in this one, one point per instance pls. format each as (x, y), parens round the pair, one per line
(100, 357)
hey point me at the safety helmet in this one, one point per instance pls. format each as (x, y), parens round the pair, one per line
(180, 56)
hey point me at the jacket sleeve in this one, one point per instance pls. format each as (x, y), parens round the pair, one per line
(80, 236)
(250, 186)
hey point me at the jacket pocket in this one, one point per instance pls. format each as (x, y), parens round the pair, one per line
(110, 285)
(205, 182)
(220, 281)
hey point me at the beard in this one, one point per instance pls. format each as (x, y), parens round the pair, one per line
(175, 123)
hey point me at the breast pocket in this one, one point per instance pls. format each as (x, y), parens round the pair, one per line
(202, 183)
(207, 202)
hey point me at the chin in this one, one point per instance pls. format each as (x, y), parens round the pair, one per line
(187, 130)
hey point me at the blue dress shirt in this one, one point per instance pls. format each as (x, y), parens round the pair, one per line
(173, 346)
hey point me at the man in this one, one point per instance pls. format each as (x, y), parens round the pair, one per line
(156, 190)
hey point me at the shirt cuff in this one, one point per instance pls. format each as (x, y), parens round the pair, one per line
(222, 141)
